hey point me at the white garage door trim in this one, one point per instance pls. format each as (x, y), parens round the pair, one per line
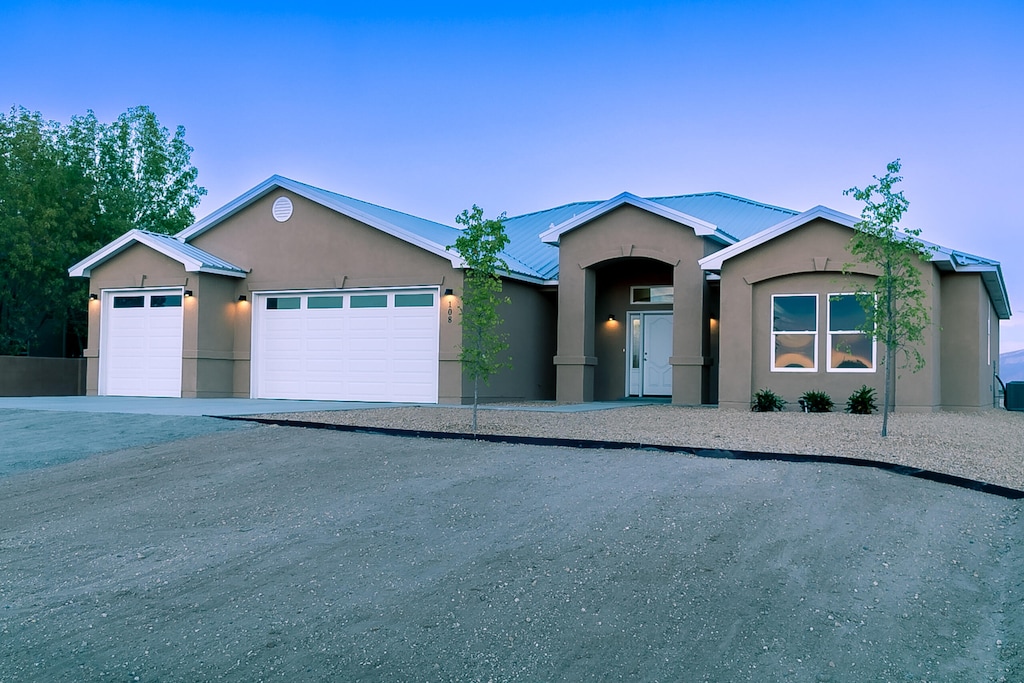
(141, 342)
(348, 345)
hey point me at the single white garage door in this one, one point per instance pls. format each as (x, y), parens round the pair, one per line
(140, 349)
(348, 345)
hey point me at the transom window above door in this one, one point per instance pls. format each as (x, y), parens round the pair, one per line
(651, 294)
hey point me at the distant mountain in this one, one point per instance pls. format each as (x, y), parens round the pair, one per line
(1011, 366)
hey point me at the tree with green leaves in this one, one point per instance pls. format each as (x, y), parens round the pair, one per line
(895, 307)
(483, 344)
(65, 191)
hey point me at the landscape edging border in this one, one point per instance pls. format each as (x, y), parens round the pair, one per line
(724, 454)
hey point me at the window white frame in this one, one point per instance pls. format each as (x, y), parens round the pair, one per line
(658, 294)
(831, 333)
(813, 333)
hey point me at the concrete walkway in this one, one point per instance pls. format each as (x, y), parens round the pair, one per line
(229, 407)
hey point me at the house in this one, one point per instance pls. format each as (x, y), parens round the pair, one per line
(291, 291)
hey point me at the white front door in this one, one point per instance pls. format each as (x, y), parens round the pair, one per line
(648, 352)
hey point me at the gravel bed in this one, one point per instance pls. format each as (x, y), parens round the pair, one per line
(986, 446)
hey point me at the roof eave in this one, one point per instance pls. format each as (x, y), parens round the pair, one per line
(305, 191)
(714, 261)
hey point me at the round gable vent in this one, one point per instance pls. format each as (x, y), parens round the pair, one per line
(282, 209)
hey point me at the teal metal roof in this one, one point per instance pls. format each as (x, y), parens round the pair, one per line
(735, 216)
(438, 233)
(193, 253)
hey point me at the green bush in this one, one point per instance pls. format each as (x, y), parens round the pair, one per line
(766, 401)
(816, 402)
(862, 401)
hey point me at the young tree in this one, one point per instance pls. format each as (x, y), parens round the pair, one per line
(895, 308)
(480, 246)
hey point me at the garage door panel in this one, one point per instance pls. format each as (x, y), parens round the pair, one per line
(141, 346)
(356, 346)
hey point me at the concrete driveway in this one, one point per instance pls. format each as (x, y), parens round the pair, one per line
(255, 553)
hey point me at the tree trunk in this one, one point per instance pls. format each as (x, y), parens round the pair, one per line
(476, 401)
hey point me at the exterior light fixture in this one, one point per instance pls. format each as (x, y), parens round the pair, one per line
(611, 317)
(449, 292)
(241, 297)
(93, 296)
(188, 292)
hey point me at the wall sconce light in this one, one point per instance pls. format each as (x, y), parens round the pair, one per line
(611, 317)
(449, 292)
(242, 297)
(93, 297)
(188, 292)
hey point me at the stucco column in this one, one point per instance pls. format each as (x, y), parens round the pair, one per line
(687, 334)
(575, 359)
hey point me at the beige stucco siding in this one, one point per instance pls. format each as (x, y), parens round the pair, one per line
(529, 323)
(807, 260)
(970, 343)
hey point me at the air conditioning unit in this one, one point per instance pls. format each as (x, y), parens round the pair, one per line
(1015, 396)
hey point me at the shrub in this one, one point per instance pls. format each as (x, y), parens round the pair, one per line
(766, 401)
(862, 401)
(816, 402)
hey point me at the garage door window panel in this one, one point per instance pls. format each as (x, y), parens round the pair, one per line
(283, 303)
(165, 301)
(325, 302)
(129, 301)
(370, 301)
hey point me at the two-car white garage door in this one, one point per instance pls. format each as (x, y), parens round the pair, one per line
(344, 345)
(352, 345)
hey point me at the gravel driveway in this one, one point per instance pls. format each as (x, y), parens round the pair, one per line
(280, 553)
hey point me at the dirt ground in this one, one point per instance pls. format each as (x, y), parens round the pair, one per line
(278, 553)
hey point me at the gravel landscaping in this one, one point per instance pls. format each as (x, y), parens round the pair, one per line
(987, 446)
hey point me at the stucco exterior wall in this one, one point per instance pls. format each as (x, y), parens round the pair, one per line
(529, 321)
(627, 233)
(808, 260)
(970, 343)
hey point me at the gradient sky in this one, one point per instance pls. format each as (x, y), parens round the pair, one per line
(430, 108)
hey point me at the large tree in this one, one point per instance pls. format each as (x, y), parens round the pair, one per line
(67, 190)
(895, 307)
(483, 345)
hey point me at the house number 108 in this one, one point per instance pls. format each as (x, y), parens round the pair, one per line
(449, 314)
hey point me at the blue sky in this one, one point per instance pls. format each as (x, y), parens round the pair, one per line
(429, 108)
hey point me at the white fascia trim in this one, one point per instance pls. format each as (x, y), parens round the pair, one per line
(554, 233)
(302, 190)
(84, 267)
(714, 261)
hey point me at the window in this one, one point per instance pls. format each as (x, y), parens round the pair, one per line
(369, 301)
(850, 349)
(651, 295)
(325, 302)
(794, 332)
(413, 300)
(283, 303)
(165, 301)
(129, 301)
